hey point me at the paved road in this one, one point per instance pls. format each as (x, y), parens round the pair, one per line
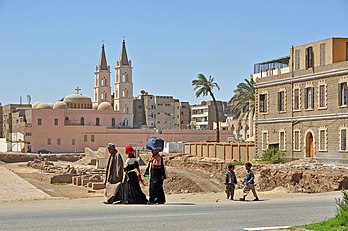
(91, 214)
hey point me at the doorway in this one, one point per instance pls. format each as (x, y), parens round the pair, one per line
(309, 145)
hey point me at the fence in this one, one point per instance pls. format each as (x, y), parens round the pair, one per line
(241, 152)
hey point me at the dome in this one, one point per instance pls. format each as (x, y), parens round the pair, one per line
(105, 106)
(34, 105)
(78, 101)
(43, 106)
(95, 106)
(77, 98)
(60, 105)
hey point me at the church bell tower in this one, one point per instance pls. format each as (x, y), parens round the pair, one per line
(102, 87)
(123, 100)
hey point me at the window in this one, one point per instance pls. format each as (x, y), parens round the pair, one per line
(82, 121)
(97, 121)
(263, 102)
(309, 57)
(343, 94)
(322, 96)
(296, 99)
(92, 138)
(59, 141)
(264, 140)
(56, 122)
(297, 59)
(85, 138)
(322, 54)
(343, 139)
(113, 122)
(281, 104)
(297, 139)
(49, 141)
(322, 139)
(73, 141)
(282, 140)
(309, 98)
(39, 121)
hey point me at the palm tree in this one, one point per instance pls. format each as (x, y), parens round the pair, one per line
(243, 101)
(203, 87)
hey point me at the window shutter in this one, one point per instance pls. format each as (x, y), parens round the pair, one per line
(265, 109)
(306, 98)
(312, 97)
(278, 101)
(339, 94)
(306, 58)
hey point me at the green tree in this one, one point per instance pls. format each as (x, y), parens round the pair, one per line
(204, 87)
(243, 99)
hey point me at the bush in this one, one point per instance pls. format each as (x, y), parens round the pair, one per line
(274, 156)
(343, 203)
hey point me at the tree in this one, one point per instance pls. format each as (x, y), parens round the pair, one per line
(243, 101)
(203, 87)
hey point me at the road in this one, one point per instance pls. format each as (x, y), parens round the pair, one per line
(91, 214)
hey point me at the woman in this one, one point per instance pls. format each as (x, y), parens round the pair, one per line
(132, 170)
(156, 170)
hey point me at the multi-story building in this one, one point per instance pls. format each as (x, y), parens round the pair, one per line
(185, 115)
(1, 125)
(302, 105)
(204, 115)
(15, 117)
(161, 112)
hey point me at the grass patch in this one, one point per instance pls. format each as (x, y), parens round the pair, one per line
(338, 223)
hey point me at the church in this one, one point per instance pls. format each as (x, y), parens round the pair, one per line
(75, 120)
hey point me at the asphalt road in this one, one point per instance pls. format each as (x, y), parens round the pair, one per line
(91, 214)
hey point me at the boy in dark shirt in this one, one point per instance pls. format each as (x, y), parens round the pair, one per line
(249, 183)
(230, 181)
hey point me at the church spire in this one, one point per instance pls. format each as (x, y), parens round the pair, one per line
(123, 57)
(102, 61)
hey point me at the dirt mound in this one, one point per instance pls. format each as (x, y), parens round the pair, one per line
(298, 176)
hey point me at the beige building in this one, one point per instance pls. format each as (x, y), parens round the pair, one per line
(302, 102)
(185, 115)
(203, 116)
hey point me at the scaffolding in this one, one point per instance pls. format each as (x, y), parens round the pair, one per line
(271, 65)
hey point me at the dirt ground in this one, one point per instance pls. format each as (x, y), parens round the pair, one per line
(187, 174)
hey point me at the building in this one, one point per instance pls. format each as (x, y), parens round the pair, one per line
(15, 117)
(160, 112)
(204, 115)
(185, 115)
(302, 105)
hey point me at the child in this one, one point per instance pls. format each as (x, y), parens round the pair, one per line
(231, 181)
(249, 183)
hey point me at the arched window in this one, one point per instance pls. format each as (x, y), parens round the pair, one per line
(66, 121)
(123, 93)
(103, 82)
(126, 77)
(113, 122)
(126, 92)
(123, 78)
(102, 96)
(82, 121)
(125, 109)
(97, 121)
(105, 96)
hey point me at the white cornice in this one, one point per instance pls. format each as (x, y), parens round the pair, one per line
(302, 78)
(303, 118)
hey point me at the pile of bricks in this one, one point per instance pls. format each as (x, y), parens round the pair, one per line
(94, 181)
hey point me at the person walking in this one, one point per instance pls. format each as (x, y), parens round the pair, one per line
(156, 171)
(114, 176)
(249, 183)
(230, 181)
(134, 194)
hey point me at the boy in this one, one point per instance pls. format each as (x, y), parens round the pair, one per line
(230, 181)
(249, 183)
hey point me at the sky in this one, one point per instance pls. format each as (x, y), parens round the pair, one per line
(48, 48)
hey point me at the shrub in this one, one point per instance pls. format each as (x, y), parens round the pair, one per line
(274, 156)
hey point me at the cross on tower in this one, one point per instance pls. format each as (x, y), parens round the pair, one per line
(77, 89)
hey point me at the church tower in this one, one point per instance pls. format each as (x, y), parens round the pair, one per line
(123, 101)
(102, 87)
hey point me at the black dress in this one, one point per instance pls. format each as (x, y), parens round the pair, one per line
(157, 176)
(134, 193)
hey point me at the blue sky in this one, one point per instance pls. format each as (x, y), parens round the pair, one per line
(47, 48)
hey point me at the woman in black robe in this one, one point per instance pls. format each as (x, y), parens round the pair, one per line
(134, 193)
